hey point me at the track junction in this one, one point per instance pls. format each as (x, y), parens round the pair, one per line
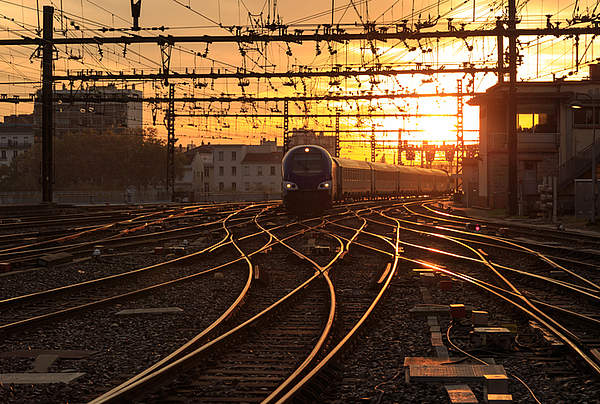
(245, 303)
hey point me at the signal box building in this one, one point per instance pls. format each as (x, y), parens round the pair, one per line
(554, 140)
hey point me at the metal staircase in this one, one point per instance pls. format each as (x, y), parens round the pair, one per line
(577, 166)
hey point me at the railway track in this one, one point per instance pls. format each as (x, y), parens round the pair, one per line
(312, 287)
(519, 296)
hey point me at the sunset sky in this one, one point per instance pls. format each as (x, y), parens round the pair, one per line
(542, 58)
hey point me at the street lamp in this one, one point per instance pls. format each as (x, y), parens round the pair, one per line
(577, 105)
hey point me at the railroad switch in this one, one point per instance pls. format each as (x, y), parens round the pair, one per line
(446, 284)
(177, 250)
(498, 337)
(458, 311)
(479, 318)
(495, 384)
(548, 338)
(49, 260)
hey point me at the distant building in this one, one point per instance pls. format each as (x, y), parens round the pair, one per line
(230, 172)
(308, 136)
(16, 136)
(554, 140)
(261, 173)
(101, 112)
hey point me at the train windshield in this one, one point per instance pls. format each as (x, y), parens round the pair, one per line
(307, 163)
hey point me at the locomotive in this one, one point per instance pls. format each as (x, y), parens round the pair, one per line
(313, 180)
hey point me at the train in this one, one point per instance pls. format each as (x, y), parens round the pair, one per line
(313, 180)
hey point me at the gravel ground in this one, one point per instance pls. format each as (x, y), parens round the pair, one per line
(125, 345)
(373, 371)
(61, 275)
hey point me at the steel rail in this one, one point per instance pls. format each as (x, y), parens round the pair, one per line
(335, 351)
(220, 320)
(557, 282)
(502, 240)
(535, 300)
(22, 323)
(187, 361)
(551, 324)
(99, 227)
(594, 238)
(117, 391)
(312, 356)
(18, 255)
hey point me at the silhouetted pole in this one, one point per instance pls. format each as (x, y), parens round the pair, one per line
(47, 106)
(512, 140)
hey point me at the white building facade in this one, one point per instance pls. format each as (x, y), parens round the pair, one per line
(16, 137)
(234, 172)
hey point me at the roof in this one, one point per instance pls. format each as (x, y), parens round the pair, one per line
(540, 90)
(263, 158)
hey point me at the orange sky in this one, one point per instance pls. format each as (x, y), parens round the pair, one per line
(541, 58)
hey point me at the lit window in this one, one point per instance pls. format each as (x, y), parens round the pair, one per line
(536, 120)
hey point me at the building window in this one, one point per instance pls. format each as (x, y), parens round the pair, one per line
(234, 186)
(272, 170)
(206, 187)
(206, 172)
(221, 186)
(246, 186)
(233, 156)
(220, 156)
(3, 155)
(221, 171)
(15, 153)
(259, 170)
(538, 120)
(234, 171)
(582, 117)
(245, 170)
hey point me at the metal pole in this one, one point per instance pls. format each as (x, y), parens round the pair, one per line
(594, 164)
(554, 199)
(337, 135)
(171, 140)
(512, 140)
(47, 106)
(286, 127)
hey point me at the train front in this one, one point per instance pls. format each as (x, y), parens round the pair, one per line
(307, 179)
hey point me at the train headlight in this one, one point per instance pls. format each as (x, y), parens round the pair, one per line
(289, 186)
(325, 185)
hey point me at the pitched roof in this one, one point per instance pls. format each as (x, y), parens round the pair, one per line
(263, 158)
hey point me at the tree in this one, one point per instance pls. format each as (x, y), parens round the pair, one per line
(95, 161)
